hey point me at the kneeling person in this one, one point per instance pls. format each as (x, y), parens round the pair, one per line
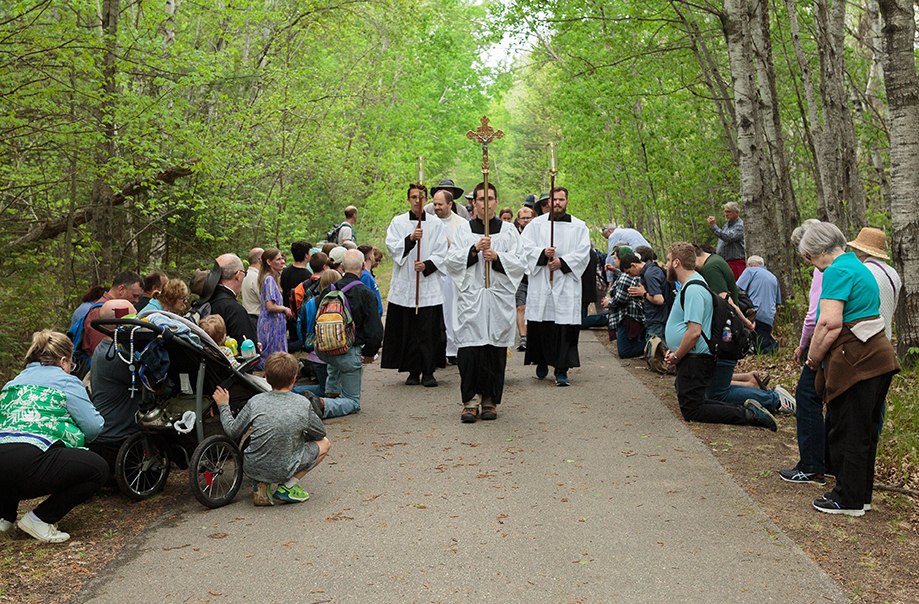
(288, 438)
(485, 316)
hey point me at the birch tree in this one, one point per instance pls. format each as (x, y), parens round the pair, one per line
(902, 84)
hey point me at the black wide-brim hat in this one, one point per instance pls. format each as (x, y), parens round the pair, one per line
(449, 185)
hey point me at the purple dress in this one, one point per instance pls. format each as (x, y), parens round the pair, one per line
(272, 326)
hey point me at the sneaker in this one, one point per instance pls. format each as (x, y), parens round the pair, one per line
(412, 380)
(469, 415)
(758, 416)
(42, 530)
(489, 413)
(294, 494)
(795, 475)
(523, 344)
(787, 403)
(830, 506)
(429, 381)
(542, 370)
(6, 525)
(561, 378)
(261, 493)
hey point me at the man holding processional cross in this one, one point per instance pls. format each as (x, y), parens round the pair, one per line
(486, 264)
(557, 247)
(414, 340)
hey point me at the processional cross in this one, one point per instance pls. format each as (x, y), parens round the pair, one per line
(484, 134)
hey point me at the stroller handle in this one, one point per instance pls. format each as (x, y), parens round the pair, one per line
(102, 325)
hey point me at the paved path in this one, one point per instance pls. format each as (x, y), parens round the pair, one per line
(594, 493)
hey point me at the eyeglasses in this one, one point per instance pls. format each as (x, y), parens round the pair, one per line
(544, 203)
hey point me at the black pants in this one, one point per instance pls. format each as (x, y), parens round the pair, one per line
(693, 374)
(69, 476)
(551, 344)
(108, 451)
(482, 372)
(854, 419)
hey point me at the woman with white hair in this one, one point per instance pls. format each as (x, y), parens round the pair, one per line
(811, 465)
(854, 362)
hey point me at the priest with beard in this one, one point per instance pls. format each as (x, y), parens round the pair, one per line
(553, 309)
(414, 340)
(485, 316)
(443, 209)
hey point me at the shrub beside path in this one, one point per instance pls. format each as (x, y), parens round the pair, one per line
(593, 493)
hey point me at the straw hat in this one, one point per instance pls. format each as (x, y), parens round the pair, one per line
(872, 242)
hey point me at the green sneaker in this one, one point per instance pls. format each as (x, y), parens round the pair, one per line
(294, 494)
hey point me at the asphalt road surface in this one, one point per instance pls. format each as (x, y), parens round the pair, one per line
(593, 493)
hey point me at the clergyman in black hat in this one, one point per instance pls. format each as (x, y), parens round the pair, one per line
(447, 184)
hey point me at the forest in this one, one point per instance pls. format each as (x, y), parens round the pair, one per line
(158, 134)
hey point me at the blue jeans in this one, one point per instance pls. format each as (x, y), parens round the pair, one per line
(321, 376)
(811, 430)
(588, 321)
(345, 371)
(628, 349)
(655, 329)
(720, 388)
(763, 342)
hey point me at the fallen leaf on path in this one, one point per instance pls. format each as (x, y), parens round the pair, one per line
(222, 535)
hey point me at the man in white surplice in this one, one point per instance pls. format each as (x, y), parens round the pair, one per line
(485, 317)
(443, 209)
(553, 311)
(414, 340)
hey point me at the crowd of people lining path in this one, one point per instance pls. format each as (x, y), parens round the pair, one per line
(469, 282)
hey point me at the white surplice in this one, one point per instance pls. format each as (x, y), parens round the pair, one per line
(433, 245)
(450, 224)
(560, 303)
(486, 316)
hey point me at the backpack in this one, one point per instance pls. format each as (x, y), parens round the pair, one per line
(306, 314)
(729, 338)
(655, 351)
(334, 323)
(332, 235)
(81, 360)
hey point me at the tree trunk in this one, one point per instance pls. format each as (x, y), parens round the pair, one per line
(782, 217)
(845, 195)
(736, 24)
(105, 150)
(812, 119)
(902, 86)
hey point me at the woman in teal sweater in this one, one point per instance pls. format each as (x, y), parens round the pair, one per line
(45, 419)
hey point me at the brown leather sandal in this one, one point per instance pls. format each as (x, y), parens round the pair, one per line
(469, 415)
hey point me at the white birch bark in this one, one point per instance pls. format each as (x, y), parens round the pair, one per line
(902, 86)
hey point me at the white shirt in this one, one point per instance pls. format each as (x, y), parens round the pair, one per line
(486, 315)
(251, 296)
(433, 244)
(889, 285)
(561, 302)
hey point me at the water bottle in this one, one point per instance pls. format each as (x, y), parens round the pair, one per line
(726, 335)
(232, 345)
(247, 348)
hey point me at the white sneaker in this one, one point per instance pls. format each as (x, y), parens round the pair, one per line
(42, 530)
(5, 525)
(787, 403)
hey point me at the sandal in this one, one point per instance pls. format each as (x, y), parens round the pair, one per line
(489, 413)
(469, 415)
(763, 383)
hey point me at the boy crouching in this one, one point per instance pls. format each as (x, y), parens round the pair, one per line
(288, 438)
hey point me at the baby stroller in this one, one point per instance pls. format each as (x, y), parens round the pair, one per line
(177, 366)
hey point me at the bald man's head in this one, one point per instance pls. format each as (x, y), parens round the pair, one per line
(115, 309)
(231, 272)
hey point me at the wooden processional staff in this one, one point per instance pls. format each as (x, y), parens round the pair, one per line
(484, 134)
(553, 170)
(420, 159)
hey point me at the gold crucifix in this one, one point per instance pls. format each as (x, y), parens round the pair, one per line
(484, 134)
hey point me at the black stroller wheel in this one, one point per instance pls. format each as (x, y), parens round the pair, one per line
(216, 471)
(142, 467)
